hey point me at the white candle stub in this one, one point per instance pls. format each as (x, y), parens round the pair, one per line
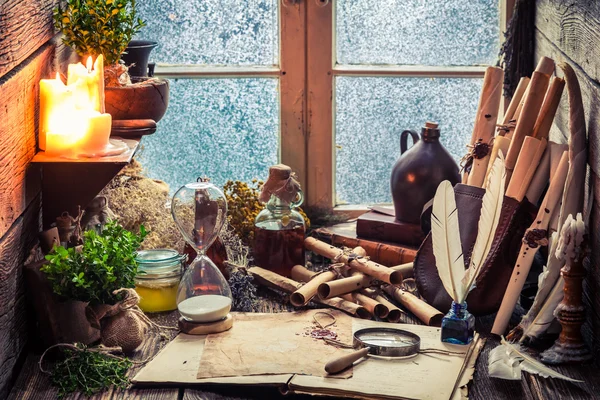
(207, 308)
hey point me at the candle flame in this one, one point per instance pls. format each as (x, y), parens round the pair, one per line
(58, 76)
(89, 64)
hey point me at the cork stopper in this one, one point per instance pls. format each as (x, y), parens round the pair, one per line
(282, 183)
(430, 131)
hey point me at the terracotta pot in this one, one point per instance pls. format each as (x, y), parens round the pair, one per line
(147, 100)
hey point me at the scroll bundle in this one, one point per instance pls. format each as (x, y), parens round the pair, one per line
(532, 164)
(353, 284)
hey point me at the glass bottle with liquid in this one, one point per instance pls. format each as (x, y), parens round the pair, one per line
(279, 230)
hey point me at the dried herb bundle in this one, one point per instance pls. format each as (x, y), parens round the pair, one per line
(89, 372)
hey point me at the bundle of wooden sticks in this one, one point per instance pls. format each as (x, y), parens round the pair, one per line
(353, 284)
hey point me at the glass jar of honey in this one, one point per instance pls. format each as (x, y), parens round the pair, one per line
(157, 282)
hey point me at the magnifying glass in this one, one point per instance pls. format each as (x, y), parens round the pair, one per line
(383, 342)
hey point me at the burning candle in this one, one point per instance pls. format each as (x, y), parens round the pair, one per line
(72, 121)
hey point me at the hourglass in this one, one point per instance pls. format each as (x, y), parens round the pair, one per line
(204, 297)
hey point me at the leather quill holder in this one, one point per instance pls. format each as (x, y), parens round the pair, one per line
(492, 282)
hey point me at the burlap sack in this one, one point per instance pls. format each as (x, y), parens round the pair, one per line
(120, 324)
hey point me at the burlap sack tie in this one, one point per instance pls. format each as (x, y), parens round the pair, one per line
(122, 324)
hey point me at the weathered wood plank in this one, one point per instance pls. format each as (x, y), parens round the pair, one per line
(573, 26)
(590, 91)
(25, 25)
(14, 248)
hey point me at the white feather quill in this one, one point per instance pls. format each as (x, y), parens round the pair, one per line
(446, 241)
(507, 361)
(488, 223)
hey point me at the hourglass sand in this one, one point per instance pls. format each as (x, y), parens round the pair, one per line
(204, 297)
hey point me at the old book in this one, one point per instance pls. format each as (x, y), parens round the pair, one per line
(377, 225)
(388, 254)
(376, 378)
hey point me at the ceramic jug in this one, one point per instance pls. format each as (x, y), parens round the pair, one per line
(418, 172)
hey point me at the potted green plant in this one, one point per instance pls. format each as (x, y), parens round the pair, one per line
(94, 27)
(91, 277)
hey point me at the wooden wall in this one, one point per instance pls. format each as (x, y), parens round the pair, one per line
(28, 53)
(569, 30)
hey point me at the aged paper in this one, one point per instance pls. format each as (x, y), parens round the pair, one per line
(267, 344)
(426, 376)
(423, 377)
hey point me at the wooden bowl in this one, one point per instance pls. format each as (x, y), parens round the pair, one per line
(142, 100)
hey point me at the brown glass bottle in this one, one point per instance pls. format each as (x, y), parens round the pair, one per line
(279, 237)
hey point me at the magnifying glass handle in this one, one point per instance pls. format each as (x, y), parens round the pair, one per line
(339, 364)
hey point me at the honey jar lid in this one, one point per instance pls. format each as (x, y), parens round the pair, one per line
(158, 262)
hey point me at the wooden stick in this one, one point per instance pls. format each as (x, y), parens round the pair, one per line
(536, 234)
(527, 119)
(485, 121)
(549, 107)
(426, 313)
(527, 164)
(546, 66)
(372, 305)
(367, 267)
(276, 281)
(516, 100)
(540, 179)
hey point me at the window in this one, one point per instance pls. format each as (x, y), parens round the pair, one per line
(325, 86)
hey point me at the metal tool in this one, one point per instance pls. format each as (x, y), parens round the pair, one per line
(383, 342)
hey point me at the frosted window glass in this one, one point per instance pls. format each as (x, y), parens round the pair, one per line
(215, 32)
(372, 112)
(219, 128)
(417, 32)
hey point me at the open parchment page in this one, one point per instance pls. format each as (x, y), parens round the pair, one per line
(426, 376)
(265, 344)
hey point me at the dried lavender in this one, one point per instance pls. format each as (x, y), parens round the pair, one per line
(245, 298)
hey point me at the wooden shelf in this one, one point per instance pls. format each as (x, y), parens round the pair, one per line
(68, 183)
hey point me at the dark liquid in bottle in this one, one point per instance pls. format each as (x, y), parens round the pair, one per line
(279, 250)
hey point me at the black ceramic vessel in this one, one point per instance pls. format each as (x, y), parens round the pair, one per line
(136, 57)
(418, 172)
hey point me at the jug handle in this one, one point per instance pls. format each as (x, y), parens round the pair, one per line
(404, 138)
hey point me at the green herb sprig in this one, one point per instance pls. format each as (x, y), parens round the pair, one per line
(89, 372)
(105, 263)
(95, 27)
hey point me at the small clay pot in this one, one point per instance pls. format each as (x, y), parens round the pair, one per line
(145, 100)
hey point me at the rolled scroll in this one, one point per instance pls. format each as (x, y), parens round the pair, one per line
(394, 313)
(426, 313)
(303, 295)
(527, 164)
(342, 286)
(549, 107)
(485, 121)
(273, 280)
(501, 144)
(527, 119)
(516, 100)
(535, 237)
(371, 305)
(407, 269)
(540, 179)
(367, 267)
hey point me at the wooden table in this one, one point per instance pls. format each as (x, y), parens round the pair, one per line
(34, 385)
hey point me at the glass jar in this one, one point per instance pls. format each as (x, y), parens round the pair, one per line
(157, 282)
(279, 236)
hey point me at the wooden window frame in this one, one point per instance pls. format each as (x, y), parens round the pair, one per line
(306, 72)
(322, 70)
